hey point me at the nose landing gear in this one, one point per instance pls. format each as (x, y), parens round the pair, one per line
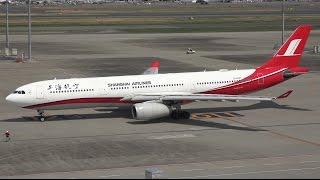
(41, 115)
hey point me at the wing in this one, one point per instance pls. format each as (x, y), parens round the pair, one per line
(199, 97)
(153, 69)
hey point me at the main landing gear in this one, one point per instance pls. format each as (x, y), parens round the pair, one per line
(179, 114)
(41, 115)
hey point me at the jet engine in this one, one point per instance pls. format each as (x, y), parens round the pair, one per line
(150, 110)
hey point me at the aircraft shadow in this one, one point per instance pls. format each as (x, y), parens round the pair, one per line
(193, 122)
(126, 113)
(206, 123)
(114, 114)
(260, 105)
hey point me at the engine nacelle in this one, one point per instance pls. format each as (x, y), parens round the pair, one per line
(148, 110)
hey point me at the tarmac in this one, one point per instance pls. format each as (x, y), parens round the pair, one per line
(220, 140)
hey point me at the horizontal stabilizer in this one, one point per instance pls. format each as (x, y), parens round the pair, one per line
(154, 68)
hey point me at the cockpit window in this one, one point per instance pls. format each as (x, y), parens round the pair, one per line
(19, 92)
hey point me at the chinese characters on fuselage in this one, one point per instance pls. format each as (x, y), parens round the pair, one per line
(67, 86)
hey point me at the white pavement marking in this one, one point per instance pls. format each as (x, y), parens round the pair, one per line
(272, 164)
(309, 161)
(187, 170)
(172, 136)
(253, 172)
(112, 175)
(230, 167)
(199, 128)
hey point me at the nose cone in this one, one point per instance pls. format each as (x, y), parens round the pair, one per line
(10, 98)
(17, 100)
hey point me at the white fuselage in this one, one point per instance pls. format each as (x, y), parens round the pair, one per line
(107, 91)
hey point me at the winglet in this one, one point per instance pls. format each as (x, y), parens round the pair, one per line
(285, 95)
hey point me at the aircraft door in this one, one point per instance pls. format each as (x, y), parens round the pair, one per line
(260, 79)
(40, 92)
(103, 90)
(192, 86)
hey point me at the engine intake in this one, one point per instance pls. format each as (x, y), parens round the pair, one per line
(148, 110)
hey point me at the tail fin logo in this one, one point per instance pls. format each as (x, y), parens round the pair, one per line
(292, 48)
(289, 54)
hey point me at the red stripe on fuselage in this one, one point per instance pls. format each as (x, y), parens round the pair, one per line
(79, 101)
(260, 79)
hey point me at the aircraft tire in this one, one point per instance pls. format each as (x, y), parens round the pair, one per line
(42, 119)
(180, 114)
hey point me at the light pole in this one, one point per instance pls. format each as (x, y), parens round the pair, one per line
(7, 24)
(29, 29)
(282, 21)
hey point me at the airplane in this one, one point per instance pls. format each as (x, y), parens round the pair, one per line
(5, 1)
(200, 1)
(37, 2)
(152, 95)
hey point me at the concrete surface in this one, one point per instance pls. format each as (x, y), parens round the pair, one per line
(221, 140)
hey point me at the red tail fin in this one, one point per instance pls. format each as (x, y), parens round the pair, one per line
(290, 52)
(155, 63)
